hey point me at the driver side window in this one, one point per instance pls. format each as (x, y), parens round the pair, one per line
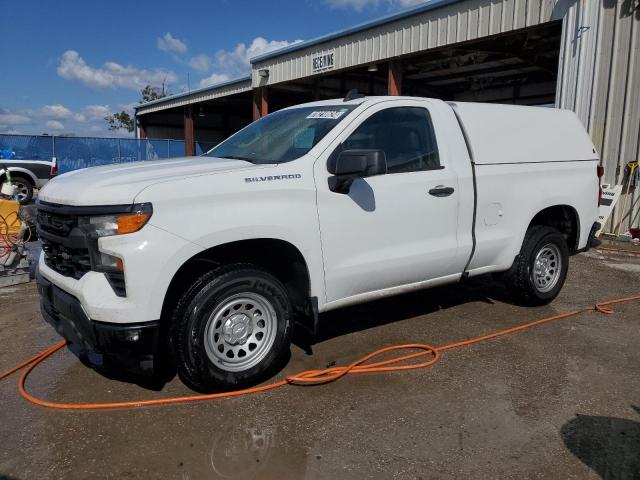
(406, 136)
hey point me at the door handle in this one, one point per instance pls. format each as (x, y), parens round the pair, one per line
(441, 191)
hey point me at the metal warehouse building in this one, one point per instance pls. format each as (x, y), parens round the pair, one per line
(576, 54)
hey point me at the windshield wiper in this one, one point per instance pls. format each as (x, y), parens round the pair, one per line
(236, 157)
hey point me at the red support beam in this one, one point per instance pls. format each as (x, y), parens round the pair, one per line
(264, 108)
(395, 78)
(260, 102)
(142, 129)
(189, 147)
(257, 103)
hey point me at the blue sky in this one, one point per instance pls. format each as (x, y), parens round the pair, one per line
(66, 64)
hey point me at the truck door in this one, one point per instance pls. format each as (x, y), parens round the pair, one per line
(395, 229)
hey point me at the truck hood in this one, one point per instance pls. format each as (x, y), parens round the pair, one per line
(119, 184)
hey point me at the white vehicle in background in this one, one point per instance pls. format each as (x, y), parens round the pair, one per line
(27, 175)
(310, 209)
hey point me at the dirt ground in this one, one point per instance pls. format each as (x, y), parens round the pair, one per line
(559, 401)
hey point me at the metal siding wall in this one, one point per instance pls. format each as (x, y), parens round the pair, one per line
(484, 17)
(462, 29)
(520, 14)
(617, 91)
(587, 62)
(449, 24)
(631, 120)
(599, 79)
(508, 9)
(605, 29)
(630, 137)
(224, 91)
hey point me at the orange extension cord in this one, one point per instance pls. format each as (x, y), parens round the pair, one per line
(309, 377)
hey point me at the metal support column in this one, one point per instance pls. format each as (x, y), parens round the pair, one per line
(395, 78)
(260, 102)
(142, 129)
(189, 149)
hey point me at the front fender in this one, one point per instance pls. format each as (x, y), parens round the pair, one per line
(219, 209)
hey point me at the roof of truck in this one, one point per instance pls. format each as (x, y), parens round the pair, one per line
(358, 101)
(504, 133)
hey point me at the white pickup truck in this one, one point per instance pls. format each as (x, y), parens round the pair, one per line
(306, 210)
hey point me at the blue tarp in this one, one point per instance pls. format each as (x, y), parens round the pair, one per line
(73, 153)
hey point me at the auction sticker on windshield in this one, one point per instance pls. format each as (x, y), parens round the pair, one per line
(329, 114)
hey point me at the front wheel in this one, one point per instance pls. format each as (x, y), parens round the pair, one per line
(231, 328)
(540, 269)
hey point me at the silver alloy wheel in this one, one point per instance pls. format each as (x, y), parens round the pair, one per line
(22, 190)
(240, 332)
(547, 267)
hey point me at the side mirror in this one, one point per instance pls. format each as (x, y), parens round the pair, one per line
(352, 164)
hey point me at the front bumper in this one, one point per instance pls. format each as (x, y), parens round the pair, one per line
(132, 343)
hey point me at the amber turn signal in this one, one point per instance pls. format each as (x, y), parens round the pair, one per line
(132, 222)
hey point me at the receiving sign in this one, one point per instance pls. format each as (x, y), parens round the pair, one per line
(324, 61)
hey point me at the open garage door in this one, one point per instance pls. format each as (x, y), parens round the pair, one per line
(519, 67)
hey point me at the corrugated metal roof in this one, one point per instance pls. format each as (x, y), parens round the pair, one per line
(195, 92)
(435, 24)
(425, 7)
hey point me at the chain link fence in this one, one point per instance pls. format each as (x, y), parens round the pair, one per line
(73, 153)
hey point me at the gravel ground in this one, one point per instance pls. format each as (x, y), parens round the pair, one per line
(558, 401)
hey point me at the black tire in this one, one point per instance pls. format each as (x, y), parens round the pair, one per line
(521, 280)
(25, 188)
(197, 356)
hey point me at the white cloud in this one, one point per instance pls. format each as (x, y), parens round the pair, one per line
(128, 106)
(60, 112)
(357, 5)
(408, 3)
(234, 63)
(96, 112)
(360, 5)
(168, 43)
(56, 111)
(111, 75)
(201, 63)
(54, 125)
(213, 79)
(10, 131)
(59, 119)
(8, 118)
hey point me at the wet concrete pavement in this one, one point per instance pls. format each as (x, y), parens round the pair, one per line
(559, 401)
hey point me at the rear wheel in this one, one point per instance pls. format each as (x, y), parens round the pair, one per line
(231, 328)
(540, 269)
(24, 188)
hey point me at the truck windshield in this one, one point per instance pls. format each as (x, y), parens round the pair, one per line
(282, 136)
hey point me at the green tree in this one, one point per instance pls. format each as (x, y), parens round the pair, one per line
(122, 120)
(150, 93)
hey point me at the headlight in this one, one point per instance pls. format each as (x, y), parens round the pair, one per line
(98, 226)
(116, 224)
